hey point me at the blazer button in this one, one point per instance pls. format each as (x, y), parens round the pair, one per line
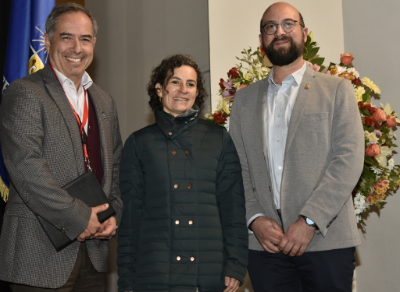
(175, 186)
(170, 133)
(189, 186)
(190, 222)
(178, 258)
(177, 222)
(192, 259)
(173, 152)
(187, 152)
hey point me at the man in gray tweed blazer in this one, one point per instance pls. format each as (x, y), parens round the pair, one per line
(300, 141)
(43, 151)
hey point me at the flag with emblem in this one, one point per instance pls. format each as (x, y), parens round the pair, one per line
(26, 51)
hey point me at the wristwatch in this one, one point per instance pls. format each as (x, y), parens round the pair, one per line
(309, 222)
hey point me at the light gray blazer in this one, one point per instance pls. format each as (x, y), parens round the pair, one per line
(42, 151)
(324, 157)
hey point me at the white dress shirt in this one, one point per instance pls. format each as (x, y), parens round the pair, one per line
(278, 110)
(76, 98)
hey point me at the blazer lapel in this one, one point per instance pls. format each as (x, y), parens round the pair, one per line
(298, 108)
(260, 124)
(57, 93)
(106, 138)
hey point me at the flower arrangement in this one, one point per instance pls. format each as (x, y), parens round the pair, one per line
(380, 176)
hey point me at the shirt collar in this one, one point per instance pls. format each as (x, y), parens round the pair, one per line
(86, 81)
(296, 76)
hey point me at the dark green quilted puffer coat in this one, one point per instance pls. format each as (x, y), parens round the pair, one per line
(183, 224)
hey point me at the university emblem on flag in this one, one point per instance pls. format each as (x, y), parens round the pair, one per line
(37, 52)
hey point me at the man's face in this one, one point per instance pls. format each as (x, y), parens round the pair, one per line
(283, 48)
(71, 50)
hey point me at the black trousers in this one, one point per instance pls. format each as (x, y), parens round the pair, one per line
(322, 271)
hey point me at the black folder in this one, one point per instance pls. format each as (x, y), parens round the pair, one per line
(87, 189)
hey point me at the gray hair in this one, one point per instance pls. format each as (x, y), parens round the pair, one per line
(59, 10)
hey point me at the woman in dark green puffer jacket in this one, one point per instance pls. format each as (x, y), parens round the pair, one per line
(183, 227)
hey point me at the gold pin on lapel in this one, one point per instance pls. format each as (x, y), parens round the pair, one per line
(307, 86)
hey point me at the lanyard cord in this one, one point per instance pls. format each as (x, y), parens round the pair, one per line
(82, 124)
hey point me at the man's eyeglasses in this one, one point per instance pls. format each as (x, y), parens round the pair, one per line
(287, 25)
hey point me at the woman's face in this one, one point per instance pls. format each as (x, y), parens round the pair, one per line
(180, 92)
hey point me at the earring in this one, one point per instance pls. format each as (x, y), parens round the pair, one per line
(161, 99)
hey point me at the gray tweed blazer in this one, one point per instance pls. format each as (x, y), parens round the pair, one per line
(324, 157)
(42, 151)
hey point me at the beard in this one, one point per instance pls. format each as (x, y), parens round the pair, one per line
(283, 56)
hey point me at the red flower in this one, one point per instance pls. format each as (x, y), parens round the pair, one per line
(221, 84)
(356, 81)
(361, 105)
(220, 117)
(369, 108)
(262, 50)
(377, 125)
(368, 121)
(233, 73)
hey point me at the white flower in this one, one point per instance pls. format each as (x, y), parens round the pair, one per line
(372, 138)
(391, 134)
(227, 124)
(390, 164)
(359, 93)
(376, 170)
(359, 201)
(353, 71)
(340, 69)
(358, 218)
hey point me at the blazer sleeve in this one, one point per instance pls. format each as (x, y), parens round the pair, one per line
(253, 206)
(346, 163)
(132, 191)
(115, 196)
(23, 135)
(230, 197)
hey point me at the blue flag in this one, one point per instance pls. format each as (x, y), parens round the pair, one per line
(26, 51)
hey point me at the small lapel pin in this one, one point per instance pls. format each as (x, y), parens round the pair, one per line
(104, 115)
(307, 86)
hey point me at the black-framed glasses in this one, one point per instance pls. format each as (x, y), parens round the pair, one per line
(287, 25)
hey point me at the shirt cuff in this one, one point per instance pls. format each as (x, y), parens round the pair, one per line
(254, 217)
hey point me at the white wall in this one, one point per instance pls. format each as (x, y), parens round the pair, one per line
(235, 25)
(371, 35)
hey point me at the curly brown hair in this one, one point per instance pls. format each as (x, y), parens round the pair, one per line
(163, 72)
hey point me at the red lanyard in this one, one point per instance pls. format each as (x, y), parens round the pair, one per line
(78, 120)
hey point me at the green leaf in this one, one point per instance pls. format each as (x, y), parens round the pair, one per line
(312, 52)
(317, 61)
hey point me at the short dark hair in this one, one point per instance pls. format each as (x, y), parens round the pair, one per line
(301, 21)
(59, 10)
(163, 72)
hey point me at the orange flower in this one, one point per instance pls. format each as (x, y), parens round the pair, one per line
(262, 50)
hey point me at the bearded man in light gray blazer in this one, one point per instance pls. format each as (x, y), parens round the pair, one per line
(300, 141)
(43, 151)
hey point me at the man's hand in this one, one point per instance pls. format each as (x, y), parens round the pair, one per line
(297, 238)
(110, 228)
(231, 284)
(268, 232)
(94, 225)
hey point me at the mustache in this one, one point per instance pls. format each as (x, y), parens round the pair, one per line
(281, 38)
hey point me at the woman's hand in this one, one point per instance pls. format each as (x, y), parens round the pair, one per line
(231, 284)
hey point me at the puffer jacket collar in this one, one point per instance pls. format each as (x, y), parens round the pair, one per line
(172, 126)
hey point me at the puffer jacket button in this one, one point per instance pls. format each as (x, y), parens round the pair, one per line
(189, 186)
(178, 258)
(190, 222)
(192, 259)
(170, 133)
(173, 152)
(177, 222)
(187, 152)
(175, 186)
